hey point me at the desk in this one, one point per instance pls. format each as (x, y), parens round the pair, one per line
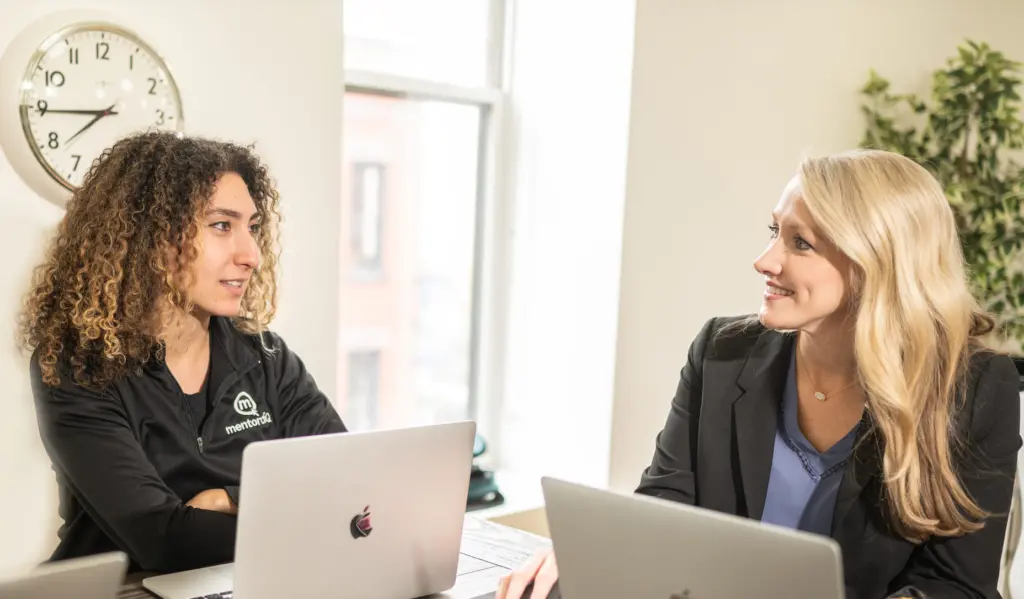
(501, 548)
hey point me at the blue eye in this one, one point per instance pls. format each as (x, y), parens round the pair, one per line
(255, 228)
(802, 245)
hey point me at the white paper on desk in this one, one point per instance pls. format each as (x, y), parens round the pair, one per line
(475, 584)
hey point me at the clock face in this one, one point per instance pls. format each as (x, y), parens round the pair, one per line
(87, 87)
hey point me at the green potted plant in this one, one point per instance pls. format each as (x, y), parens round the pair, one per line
(966, 135)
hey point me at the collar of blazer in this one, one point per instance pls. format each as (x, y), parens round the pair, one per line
(759, 389)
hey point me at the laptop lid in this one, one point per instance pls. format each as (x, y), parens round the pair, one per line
(611, 545)
(358, 514)
(94, 577)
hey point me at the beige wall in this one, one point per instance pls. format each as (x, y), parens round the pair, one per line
(251, 71)
(726, 98)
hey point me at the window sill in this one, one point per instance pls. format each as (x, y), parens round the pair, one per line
(522, 493)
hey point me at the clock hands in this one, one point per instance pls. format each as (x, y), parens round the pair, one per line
(99, 114)
(92, 112)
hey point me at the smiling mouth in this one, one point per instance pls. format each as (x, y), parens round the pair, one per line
(773, 290)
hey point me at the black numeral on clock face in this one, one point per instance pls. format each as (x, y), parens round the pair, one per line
(55, 78)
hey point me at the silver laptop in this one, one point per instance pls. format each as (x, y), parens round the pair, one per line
(363, 514)
(94, 577)
(613, 545)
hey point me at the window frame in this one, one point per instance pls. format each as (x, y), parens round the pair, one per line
(355, 355)
(494, 213)
(363, 266)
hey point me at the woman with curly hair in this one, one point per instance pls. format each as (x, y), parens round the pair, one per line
(152, 367)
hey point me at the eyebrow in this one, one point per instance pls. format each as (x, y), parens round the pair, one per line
(230, 213)
(801, 227)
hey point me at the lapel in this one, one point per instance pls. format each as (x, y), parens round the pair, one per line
(863, 464)
(755, 414)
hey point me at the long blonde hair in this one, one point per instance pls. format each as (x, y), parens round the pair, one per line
(916, 325)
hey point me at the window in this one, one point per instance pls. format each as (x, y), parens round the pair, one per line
(422, 134)
(436, 40)
(363, 389)
(367, 197)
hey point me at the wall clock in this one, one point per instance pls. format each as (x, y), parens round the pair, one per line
(85, 85)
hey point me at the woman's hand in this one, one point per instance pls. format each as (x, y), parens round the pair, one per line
(215, 500)
(541, 570)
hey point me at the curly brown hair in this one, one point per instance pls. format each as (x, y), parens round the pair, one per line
(121, 258)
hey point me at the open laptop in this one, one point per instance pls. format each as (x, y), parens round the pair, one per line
(612, 545)
(359, 514)
(93, 577)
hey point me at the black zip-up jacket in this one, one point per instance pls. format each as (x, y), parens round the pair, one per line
(128, 458)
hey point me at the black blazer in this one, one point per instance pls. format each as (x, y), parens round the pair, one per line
(716, 451)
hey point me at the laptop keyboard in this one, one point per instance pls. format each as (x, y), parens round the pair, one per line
(467, 565)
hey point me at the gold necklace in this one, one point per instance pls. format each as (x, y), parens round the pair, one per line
(818, 394)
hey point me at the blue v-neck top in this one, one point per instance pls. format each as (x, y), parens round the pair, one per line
(804, 482)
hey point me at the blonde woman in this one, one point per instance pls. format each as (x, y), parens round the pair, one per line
(860, 402)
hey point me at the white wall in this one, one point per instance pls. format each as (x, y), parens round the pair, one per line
(259, 71)
(727, 96)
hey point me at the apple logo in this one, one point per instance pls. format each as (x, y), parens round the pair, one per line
(360, 525)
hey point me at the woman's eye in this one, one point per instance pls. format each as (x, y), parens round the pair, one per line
(774, 229)
(802, 245)
(255, 229)
(222, 226)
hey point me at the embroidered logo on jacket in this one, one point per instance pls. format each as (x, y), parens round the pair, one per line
(245, 405)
